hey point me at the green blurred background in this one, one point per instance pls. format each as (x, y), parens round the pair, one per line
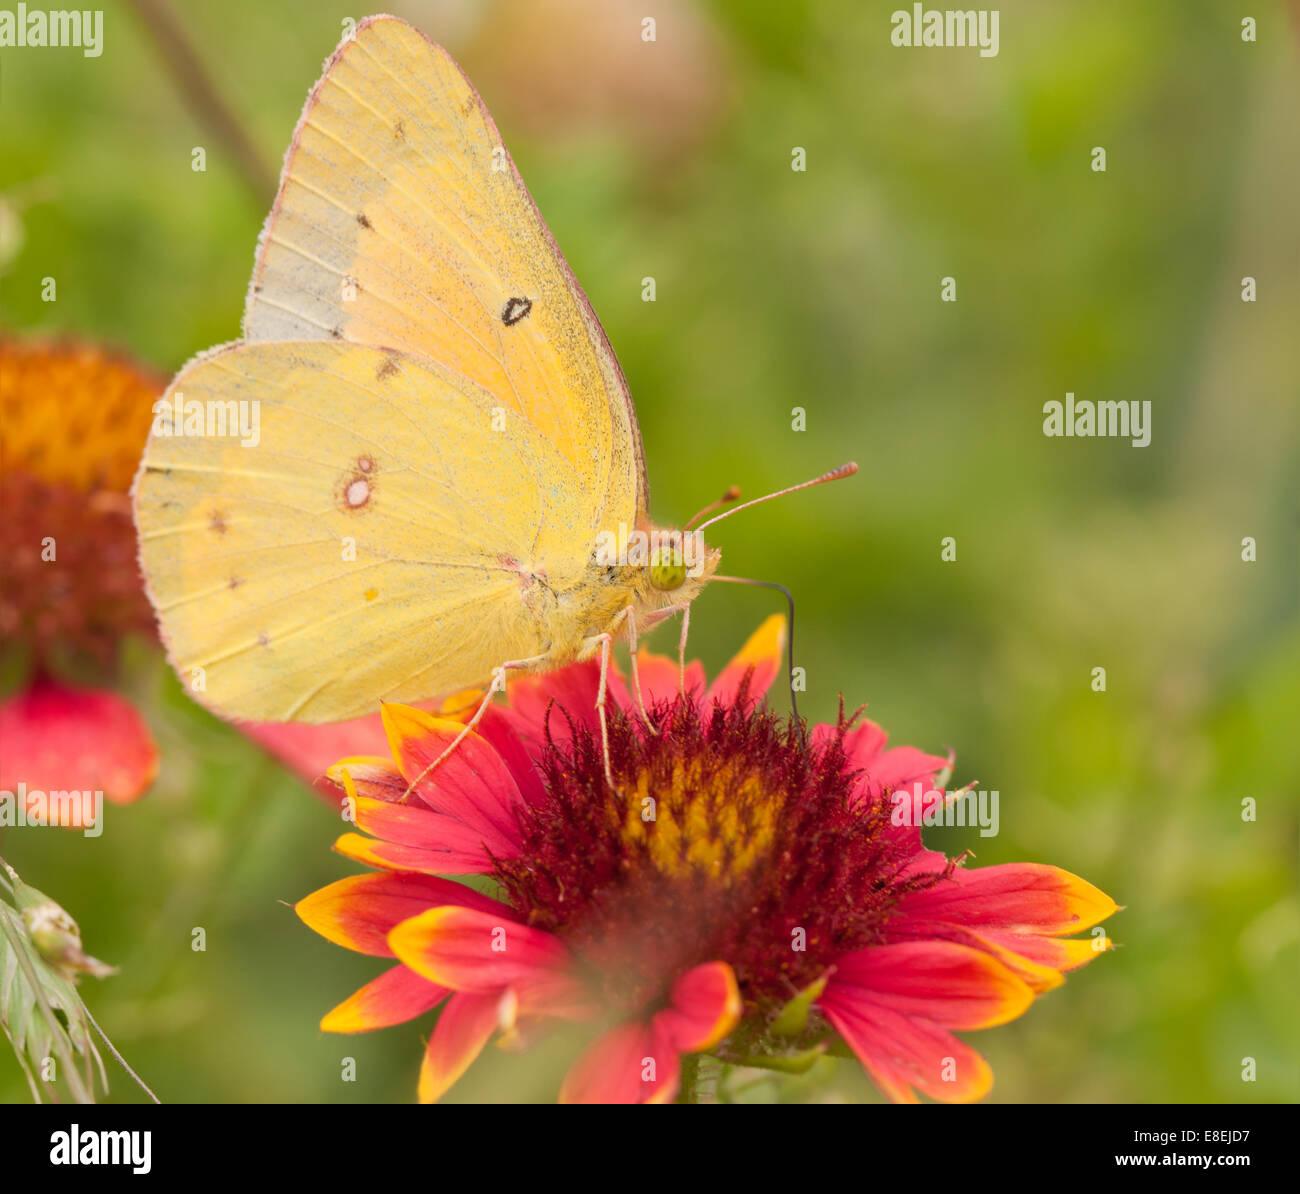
(777, 289)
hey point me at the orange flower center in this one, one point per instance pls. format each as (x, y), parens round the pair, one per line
(73, 414)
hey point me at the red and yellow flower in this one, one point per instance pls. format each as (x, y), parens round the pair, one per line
(742, 890)
(74, 418)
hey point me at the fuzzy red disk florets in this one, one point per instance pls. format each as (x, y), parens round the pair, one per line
(727, 837)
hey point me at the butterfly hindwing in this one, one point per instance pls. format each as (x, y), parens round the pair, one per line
(364, 548)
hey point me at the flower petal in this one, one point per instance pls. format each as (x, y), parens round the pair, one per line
(954, 986)
(661, 677)
(1015, 897)
(371, 776)
(1040, 977)
(57, 738)
(359, 912)
(488, 952)
(310, 750)
(1058, 953)
(498, 728)
(471, 784)
(762, 652)
(572, 689)
(705, 1006)
(396, 996)
(630, 1063)
(887, 770)
(901, 1052)
(412, 825)
(638, 1062)
(462, 855)
(464, 1027)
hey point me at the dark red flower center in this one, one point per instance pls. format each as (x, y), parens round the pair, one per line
(727, 838)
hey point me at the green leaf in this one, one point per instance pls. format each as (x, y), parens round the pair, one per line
(786, 1063)
(44, 1017)
(794, 1016)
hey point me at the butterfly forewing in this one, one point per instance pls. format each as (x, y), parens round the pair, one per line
(402, 222)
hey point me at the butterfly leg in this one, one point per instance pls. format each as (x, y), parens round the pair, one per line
(606, 642)
(630, 614)
(498, 685)
(681, 652)
(685, 611)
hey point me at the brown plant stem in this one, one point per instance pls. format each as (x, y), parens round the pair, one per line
(201, 94)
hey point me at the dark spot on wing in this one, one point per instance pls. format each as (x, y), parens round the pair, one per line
(337, 333)
(390, 368)
(361, 219)
(235, 582)
(157, 468)
(217, 522)
(263, 639)
(515, 310)
(399, 131)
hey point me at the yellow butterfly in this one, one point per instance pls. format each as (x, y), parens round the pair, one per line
(420, 467)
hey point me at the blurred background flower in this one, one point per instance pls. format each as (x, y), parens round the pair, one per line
(73, 417)
(817, 289)
(652, 86)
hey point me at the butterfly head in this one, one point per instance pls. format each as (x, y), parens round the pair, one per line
(679, 565)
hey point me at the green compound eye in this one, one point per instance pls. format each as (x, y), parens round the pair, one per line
(667, 577)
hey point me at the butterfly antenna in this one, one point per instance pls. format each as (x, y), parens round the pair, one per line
(789, 600)
(730, 496)
(845, 470)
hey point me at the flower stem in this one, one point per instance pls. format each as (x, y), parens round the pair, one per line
(189, 74)
(699, 1079)
(686, 1089)
(140, 1082)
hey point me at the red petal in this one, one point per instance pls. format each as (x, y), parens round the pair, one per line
(56, 738)
(573, 691)
(630, 1063)
(887, 770)
(415, 825)
(311, 750)
(465, 1026)
(1060, 953)
(1017, 897)
(469, 858)
(705, 1007)
(900, 1052)
(396, 996)
(955, 986)
(373, 777)
(498, 729)
(761, 653)
(489, 952)
(360, 911)
(471, 784)
(661, 677)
